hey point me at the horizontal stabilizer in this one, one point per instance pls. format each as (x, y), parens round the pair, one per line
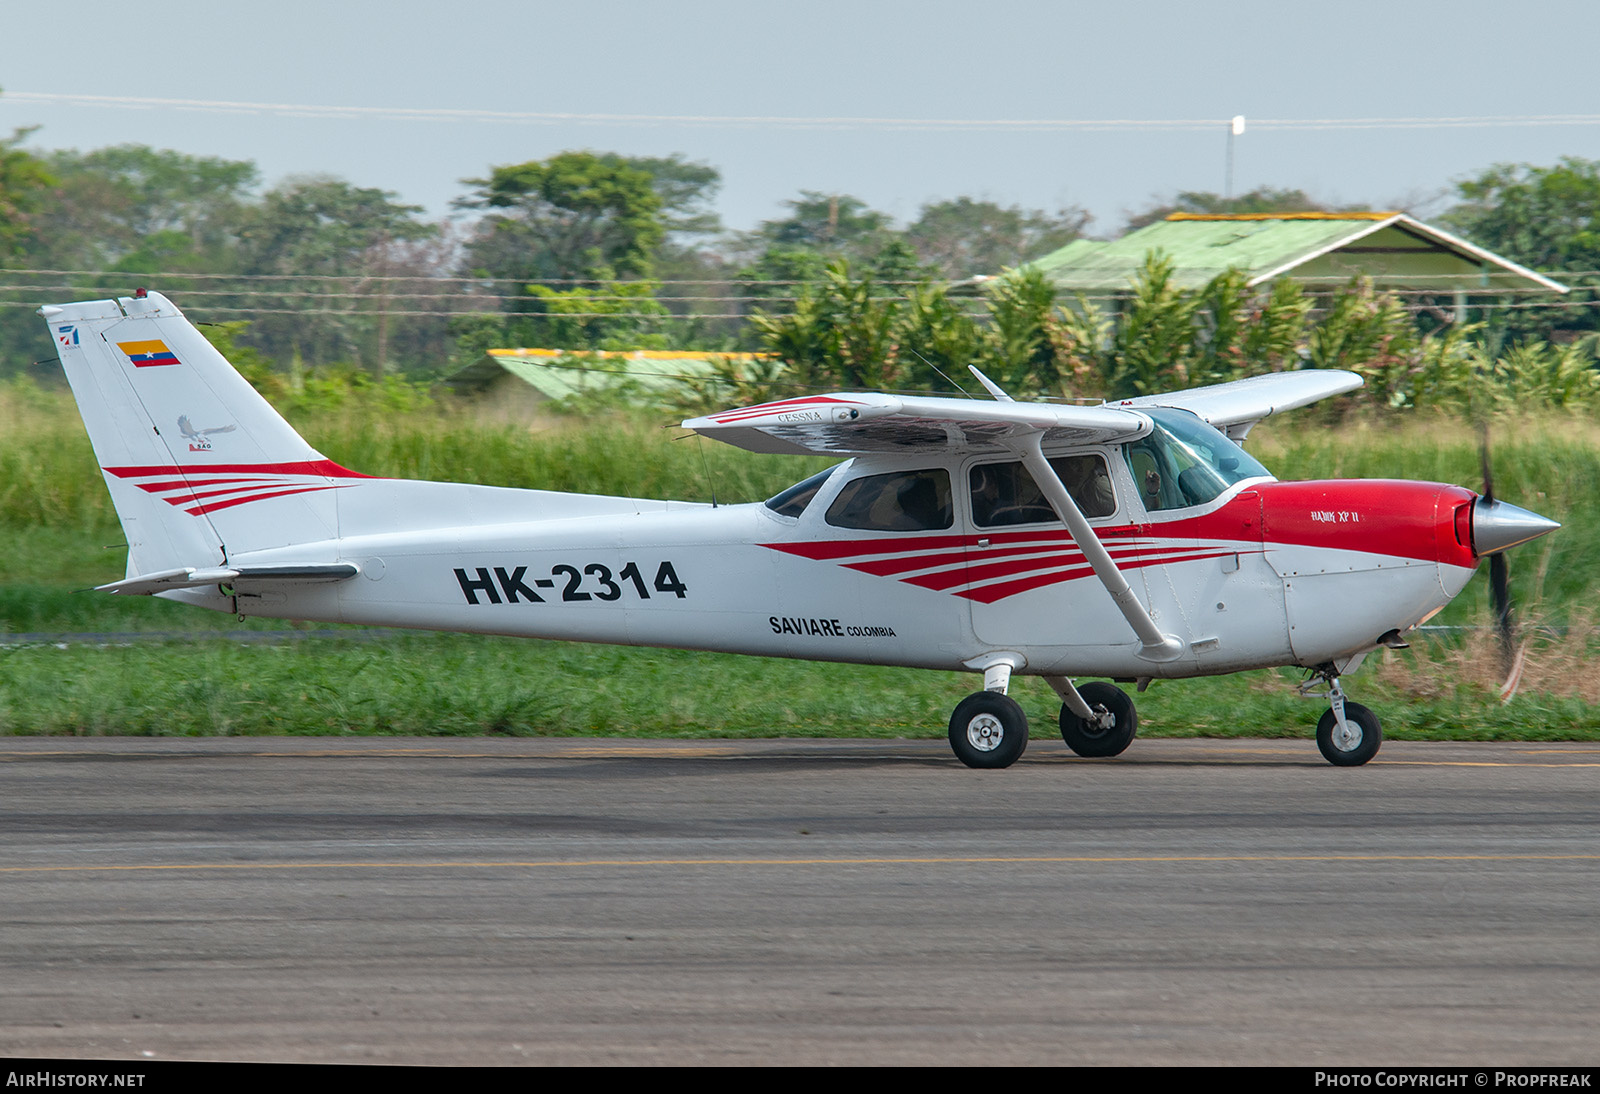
(193, 578)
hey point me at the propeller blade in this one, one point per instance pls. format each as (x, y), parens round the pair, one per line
(1483, 459)
(1500, 600)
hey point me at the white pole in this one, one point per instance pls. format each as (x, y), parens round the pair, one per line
(1235, 128)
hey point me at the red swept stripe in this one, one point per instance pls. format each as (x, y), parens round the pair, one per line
(255, 486)
(214, 506)
(990, 593)
(844, 548)
(179, 484)
(325, 468)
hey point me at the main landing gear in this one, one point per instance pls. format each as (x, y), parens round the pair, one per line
(989, 729)
(1109, 727)
(1348, 734)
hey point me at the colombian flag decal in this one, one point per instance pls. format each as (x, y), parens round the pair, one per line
(148, 354)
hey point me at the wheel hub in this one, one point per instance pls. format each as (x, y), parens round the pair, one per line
(1347, 735)
(985, 732)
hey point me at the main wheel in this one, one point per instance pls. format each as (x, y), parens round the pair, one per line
(1356, 747)
(988, 730)
(1088, 739)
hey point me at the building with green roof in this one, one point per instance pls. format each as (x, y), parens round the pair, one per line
(1319, 250)
(529, 376)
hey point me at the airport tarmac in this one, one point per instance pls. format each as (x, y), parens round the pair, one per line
(583, 901)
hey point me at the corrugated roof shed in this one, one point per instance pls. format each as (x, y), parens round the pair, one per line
(559, 373)
(1393, 249)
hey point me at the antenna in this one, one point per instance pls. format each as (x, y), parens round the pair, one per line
(704, 462)
(942, 376)
(990, 386)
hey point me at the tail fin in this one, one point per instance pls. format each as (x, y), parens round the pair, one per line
(186, 445)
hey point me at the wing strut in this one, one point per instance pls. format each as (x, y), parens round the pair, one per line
(1157, 646)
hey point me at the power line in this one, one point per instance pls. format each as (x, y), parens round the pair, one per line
(738, 121)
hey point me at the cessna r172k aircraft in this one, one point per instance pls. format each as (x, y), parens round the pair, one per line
(1133, 540)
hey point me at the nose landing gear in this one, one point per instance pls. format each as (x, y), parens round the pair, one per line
(1348, 734)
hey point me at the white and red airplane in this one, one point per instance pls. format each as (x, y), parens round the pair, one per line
(1133, 540)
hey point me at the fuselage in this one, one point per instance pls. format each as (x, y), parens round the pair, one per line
(1264, 573)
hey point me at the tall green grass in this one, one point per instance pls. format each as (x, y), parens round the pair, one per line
(462, 685)
(56, 524)
(55, 514)
(49, 478)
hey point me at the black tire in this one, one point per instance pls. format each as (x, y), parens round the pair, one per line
(988, 730)
(1087, 739)
(1355, 753)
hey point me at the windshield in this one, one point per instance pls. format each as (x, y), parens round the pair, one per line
(1184, 462)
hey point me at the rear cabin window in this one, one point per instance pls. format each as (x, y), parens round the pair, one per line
(793, 501)
(1005, 494)
(901, 501)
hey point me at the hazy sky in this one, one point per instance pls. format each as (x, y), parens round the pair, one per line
(930, 61)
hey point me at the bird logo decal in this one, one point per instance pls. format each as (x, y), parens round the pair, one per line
(199, 439)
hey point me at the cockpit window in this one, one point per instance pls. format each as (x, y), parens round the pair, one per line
(1184, 462)
(793, 501)
(902, 501)
(1005, 494)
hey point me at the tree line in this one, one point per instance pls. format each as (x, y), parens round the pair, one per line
(592, 250)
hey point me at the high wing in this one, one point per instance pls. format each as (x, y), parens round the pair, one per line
(862, 424)
(1237, 406)
(866, 423)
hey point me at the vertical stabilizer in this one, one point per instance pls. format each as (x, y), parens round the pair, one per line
(199, 465)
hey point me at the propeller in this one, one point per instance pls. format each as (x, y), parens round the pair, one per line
(1498, 526)
(1499, 573)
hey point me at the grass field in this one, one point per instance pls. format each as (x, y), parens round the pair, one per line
(57, 526)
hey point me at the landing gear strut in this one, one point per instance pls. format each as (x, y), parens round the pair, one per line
(1348, 734)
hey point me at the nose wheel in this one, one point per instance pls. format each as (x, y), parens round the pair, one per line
(1348, 734)
(1353, 743)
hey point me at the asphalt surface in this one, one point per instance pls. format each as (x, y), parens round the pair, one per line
(601, 901)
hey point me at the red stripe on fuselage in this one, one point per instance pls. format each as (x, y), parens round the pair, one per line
(1392, 518)
(988, 594)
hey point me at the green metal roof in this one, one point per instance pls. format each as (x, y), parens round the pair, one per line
(557, 374)
(1393, 249)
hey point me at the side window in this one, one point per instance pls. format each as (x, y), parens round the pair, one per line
(901, 501)
(1004, 493)
(1089, 483)
(1157, 482)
